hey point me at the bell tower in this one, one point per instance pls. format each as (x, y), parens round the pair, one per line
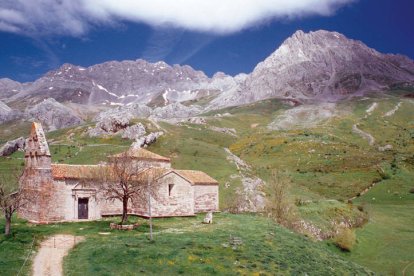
(37, 154)
(37, 178)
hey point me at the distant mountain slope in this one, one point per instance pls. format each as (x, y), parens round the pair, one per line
(321, 65)
(122, 82)
(315, 66)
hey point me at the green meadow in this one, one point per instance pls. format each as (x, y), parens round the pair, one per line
(329, 167)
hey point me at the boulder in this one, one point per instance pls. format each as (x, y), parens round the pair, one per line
(134, 132)
(12, 146)
(208, 219)
(114, 123)
(147, 140)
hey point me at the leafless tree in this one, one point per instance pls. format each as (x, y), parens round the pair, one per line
(12, 197)
(278, 203)
(127, 180)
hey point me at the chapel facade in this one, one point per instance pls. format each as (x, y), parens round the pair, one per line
(63, 192)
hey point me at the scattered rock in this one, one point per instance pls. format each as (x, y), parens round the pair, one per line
(147, 140)
(128, 111)
(176, 110)
(304, 116)
(12, 146)
(197, 120)
(123, 226)
(385, 148)
(222, 115)
(251, 195)
(229, 131)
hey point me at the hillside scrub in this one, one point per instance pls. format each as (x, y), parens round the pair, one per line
(345, 239)
(279, 206)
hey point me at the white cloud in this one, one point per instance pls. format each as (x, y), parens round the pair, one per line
(75, 17)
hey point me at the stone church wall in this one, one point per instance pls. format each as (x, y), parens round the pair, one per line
(178, 202)
(205, 198)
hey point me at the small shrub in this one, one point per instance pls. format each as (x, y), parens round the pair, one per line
(412, 190)
(299, 202)
(345, 239)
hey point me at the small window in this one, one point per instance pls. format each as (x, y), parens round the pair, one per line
(170, 187)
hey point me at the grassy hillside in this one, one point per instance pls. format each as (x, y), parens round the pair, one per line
(182, 246)
(329, 164)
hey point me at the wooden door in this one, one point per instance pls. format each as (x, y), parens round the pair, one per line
(83, 208)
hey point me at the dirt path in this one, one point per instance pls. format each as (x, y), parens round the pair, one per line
(392, 111)
(363, 134)
(48, 260)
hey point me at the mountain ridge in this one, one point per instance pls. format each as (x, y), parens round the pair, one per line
(319, 66)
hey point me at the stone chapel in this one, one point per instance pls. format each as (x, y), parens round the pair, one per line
(63, 192)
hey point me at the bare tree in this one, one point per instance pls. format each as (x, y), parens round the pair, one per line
(12, 197)
(126, 180)
(278, 203)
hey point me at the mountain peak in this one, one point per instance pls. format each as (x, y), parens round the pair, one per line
(326, 65)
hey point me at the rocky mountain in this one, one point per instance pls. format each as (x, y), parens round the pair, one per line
(324, 66)
(317, 66)
(118, 83)
(53, 115)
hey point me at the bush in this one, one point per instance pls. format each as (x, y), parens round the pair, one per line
(345, 239)
(412, 190)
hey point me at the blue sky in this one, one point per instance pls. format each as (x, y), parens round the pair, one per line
(232, 44)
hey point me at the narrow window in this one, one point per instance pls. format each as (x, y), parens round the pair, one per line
(170, 187)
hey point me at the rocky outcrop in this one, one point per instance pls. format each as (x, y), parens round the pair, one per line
(12, 146)
(128, 111)
(251, 194)
(134, 132)
(53, 114)
(145, 141)
(116, 122)
(176, 110)
(6, 113)
(304, 116)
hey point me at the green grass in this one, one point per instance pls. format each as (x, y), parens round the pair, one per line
(328, 164)
(386, 243)
(181, 246)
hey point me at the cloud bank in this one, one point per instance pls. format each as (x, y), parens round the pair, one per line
(76, 17)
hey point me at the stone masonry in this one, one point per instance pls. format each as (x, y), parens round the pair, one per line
(63, 192)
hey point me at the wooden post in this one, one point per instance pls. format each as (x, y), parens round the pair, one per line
(149, 208)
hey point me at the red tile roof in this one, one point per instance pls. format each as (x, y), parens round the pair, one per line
(196, 177)
(142, 154)
(65, 171)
